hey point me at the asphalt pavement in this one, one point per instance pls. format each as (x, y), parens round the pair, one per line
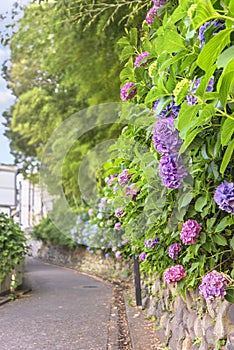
(66, 310)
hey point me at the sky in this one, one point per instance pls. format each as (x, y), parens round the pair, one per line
(6, 99)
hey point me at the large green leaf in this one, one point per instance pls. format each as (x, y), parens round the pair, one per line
(227, 157)
(226, 87)
(219, 239)
(232, 243)
(230, 295)
(173, 42)
(201, 12)
(225, 57)
(227, 130)
(213, 49)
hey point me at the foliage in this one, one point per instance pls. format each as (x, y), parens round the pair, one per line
(56, 70)
(13, 246)
(181, 56)
(47, 232)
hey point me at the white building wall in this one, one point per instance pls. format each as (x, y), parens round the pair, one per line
(7, 188)
(30, 203)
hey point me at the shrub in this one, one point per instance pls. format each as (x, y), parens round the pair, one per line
(13, 247)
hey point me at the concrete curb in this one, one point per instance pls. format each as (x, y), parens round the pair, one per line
(141, 329)
(18, 294)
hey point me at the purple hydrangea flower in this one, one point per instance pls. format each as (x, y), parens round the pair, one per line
(151, 14)
(224, 196)
(140, 60)
(213, 286)
(150, 243)
(169, 111)
(125, 94)
(132, 191)
(142, 256)
(174, 250)
(201, 33)
(119, 213)
(124, 177)
(166, 136)
(117, 226)
(218, 24)
(191, 99)
(171, 171)
(190, 231)
(111, 180)
(174, 274)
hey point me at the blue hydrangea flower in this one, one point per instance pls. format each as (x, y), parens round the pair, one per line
(224, 196)
(169, 111)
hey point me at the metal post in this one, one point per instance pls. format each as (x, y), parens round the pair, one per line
(137, 281)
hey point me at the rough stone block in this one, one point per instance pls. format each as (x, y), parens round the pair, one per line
(231, 314)
(198, 328)
(220, 329)
(187, 344)
(230, 341)
(210, 338)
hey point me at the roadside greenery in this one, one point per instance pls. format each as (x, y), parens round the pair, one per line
(13, 247)
(178, 201)
(167, 191)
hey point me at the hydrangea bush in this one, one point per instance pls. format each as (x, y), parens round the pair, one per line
(173, 204)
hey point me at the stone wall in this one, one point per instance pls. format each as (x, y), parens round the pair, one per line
(188, 323)
(85, 261)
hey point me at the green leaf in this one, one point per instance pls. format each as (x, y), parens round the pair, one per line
(226, 87)
(185, 199)
(231, 6)
(154, 94)
(189, 139)
(220, 240)
(127, 52)
(222, 224)
(232, 243)
(133, 37)
(173, 42)
(186, 116)
(213, 49)
(225, 57)
(227, 131)
(200, 203)
(227, 157)
(201, 12)
(230, 295)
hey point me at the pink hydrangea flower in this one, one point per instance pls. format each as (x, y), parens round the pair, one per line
(140, 60)
(142, 256)
(127, 92)
(118, 255)
(117, 226)
(174, 274)
(213, 286)
(132, 191)
(90, 211)
(190, 231)
(111, 180)
(119, 212)
(174, 250)
(124, 177)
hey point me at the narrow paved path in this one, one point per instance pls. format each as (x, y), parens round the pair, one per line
(66, 310)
